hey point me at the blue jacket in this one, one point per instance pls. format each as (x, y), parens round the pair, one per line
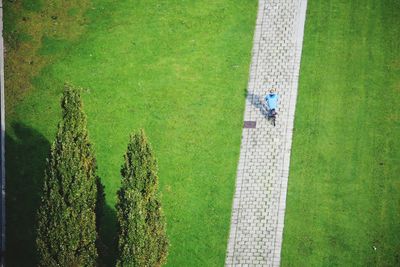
(272, 100)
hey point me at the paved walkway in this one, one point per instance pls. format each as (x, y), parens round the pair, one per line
(260, 198)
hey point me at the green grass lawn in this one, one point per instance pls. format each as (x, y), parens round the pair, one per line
(178, 69)
(344, 186)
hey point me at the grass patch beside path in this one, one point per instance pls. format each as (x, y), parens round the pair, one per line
(37, 33)
(178, 69)
(343, 196)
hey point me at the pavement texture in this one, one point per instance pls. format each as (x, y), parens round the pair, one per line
(260, 198)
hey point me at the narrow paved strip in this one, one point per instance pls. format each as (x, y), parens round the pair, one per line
(262, 176)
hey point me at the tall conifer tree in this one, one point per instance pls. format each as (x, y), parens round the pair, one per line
(66, 231)
(142, 237)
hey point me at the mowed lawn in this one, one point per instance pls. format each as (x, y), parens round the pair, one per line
(343, 205)
(178, 69)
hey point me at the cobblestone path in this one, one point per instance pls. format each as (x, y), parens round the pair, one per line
(260, 198)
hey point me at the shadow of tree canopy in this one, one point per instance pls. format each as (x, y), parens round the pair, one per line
(106, 229)
(26, 154)
(108, 237)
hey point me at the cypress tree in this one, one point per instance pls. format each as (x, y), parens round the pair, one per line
(66, 231)
(142, 236)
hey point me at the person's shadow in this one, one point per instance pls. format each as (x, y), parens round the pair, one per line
(257, 102)
(26, 153)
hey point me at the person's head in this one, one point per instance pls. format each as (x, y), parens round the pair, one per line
(272, 90)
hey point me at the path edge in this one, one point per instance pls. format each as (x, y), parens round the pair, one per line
(238, 178)
(288, 142)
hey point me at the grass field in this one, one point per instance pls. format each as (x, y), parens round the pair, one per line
(344, 186)
(178, 69)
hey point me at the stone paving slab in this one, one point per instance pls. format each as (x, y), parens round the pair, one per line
(260, 198)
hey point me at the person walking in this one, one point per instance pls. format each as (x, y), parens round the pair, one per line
(271, 99)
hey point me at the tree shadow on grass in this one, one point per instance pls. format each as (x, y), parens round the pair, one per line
(26, 154)
(108, 237)
(106, 228)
